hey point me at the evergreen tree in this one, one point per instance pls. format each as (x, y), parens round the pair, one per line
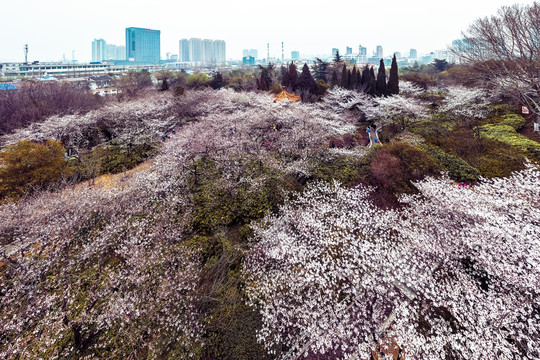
(319, 69)
(282, 71)
(306, 84)
(392, 88)
(265, 82)
(358, 79)
(290, 78)
(343, 83)
(334, 78)
(349, 80)
(372, 82)
(337, 58)
(381, 80)
(217, 81)
(366, 80)
(353, 81)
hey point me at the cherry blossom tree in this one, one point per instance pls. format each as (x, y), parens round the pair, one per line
(453, 274)
(466, 103)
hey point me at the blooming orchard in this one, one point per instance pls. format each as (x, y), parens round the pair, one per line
(456, 272)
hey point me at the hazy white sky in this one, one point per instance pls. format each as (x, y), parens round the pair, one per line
(52, 28)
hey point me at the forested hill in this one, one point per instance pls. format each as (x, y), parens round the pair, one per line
(215, 224)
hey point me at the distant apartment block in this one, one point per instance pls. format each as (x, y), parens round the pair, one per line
(115, 52)
(143, 45)
(195, 50)
(334, 51)
(184, 51)
(295, 55)
(99, 50)
(202, 52)
(413, 54)
(348, 51)
(379, 53)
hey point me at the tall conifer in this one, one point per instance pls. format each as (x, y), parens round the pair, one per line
(392, 88)
(372, 82)
(381, 80)
(306, 84)
(334, 78)
(343, 83)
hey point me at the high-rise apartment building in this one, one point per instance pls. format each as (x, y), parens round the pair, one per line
(413, 54)
(221, 51)
(379, 53)
(334, 51)
(208, 54)
(195, 50)
(295, 55)
(184, 51)
(115, 52)
(99, 50)
(348, 51)
(143, 45)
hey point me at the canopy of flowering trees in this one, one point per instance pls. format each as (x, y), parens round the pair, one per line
(453, 274)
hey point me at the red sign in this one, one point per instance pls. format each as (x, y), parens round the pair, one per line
(525, 111)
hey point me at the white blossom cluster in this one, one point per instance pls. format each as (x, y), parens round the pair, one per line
(465, 102)
(454, 273)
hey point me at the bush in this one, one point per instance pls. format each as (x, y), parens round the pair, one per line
(491, 157)
(25, 166)
(197, 81)
(395, 167)
(276, 89)
(513, 120)
(506, 133)
(457, 168)
(349, 171)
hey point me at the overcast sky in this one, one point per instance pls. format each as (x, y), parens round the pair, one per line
(52, 28)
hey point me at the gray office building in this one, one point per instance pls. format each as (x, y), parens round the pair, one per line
(143, 45)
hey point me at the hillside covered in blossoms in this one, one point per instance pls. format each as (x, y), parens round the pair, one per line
(267, 214)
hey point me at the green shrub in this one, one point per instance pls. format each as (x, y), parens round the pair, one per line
(513, 120)
(457, 168)
(507, 134)
(432, 131)
(349, 171)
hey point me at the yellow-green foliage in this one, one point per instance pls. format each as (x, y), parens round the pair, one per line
(513, 120)
(507, 134)
(27, 165)
(196, 81)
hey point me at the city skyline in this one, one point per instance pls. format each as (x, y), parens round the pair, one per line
(416, 24)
